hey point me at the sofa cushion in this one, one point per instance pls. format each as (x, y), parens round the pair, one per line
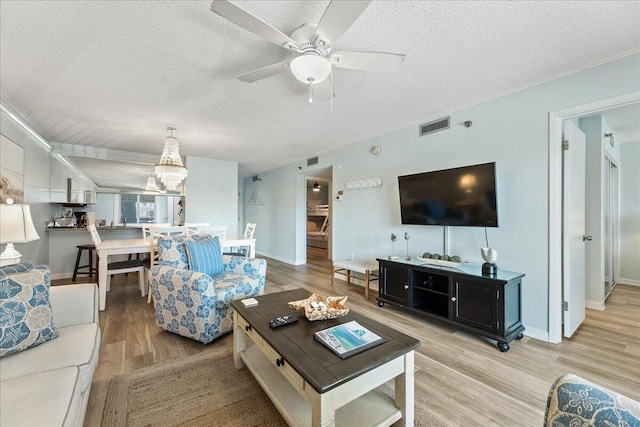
(83, 339)
(43, 399)
(26, 318)
(205, 256)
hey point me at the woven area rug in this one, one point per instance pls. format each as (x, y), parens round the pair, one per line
(201, 390)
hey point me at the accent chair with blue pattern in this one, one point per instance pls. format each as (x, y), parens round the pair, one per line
(574, 401)
(195, 304)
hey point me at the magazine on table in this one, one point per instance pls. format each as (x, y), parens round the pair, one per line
(348, 339)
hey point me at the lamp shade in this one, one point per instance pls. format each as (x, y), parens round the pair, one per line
(16, 225)
(310, 68)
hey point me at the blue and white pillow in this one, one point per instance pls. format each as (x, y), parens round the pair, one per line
(26, 318)
(205, 256)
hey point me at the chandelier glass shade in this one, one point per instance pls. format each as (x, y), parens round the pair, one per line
(310, 68)
(152, 185)
(170, 170)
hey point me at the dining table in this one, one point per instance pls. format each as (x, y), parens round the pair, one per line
(113, 247)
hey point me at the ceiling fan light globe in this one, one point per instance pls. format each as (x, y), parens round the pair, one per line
(310, 68)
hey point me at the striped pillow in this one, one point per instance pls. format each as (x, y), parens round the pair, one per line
(205, 256)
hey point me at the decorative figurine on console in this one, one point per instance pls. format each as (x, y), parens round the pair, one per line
(490, 256)
(393, 247)
(406, 237)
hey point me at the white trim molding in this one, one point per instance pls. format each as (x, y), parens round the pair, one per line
(21, 123)
(594, 305)
(555, 199)
(632, 282)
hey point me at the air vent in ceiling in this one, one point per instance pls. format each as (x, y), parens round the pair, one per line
(312, 161)
(434, 126)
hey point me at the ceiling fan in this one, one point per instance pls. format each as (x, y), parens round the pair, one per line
(312, 44)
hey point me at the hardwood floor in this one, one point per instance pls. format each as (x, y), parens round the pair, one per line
(461, 379)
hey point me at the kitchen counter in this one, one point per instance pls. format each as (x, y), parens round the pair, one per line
(105, 228)
(64, 241)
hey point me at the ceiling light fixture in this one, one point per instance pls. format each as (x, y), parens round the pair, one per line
(152, 185)
(316, 186)
(170, 170)
(310, 68)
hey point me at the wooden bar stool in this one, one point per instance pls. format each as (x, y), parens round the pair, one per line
(91, 269)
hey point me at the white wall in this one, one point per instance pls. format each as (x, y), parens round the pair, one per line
(630, 213)
(212, 193)
(512, 131)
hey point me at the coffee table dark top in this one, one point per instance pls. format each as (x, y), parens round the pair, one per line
(318, 365)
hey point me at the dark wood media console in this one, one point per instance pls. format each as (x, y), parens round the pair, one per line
(489, 306)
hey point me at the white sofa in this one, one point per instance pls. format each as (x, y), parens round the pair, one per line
(48, 385)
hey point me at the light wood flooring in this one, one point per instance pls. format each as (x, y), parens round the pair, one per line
(461, 379)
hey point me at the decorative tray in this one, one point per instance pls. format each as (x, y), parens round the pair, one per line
(441, 262)
(320, 307)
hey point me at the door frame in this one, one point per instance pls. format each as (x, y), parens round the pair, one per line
(555, 199)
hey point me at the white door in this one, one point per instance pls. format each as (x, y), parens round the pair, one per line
(573, 226)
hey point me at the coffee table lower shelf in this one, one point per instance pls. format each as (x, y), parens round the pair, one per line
(371, 409)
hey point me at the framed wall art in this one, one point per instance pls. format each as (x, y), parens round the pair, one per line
(11, 171)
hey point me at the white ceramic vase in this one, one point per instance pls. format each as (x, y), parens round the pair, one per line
(489, 255)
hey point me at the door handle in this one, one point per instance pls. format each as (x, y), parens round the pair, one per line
(453, 299)
(587, 238)
(406, 286)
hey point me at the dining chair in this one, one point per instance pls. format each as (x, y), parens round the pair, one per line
(219, 231)
(193, 226)
(119, 267)
(156, 231)
(248, 234)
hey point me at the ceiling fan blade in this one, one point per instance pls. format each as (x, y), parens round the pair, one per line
(251, 23)
(322, 91)
(338, 17)
(264, 72)
(367, 61)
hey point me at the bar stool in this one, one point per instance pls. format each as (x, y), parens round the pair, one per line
(90, 267)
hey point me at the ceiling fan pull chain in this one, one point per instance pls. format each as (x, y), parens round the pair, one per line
(310, 93)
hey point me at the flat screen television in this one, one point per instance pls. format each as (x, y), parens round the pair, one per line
(464, 196)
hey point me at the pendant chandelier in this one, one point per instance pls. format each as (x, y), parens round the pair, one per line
(170, 170)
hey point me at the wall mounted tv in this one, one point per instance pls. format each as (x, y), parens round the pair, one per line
(464, 196)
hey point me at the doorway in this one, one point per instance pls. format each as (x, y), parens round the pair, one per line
(318, 215)
(556, 260)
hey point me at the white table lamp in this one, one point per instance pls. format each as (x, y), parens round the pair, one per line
(16, 226)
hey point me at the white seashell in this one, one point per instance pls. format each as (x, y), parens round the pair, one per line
(489, 255)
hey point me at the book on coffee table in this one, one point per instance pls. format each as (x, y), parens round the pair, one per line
(348, 339)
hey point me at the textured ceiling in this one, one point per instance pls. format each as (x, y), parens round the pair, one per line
(624, 123)
(114, 74)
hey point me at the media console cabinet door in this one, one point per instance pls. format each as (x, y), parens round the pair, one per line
(475, 303)
(394, 284)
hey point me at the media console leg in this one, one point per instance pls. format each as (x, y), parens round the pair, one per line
(503, 346)
(380, 304)
(520, 336)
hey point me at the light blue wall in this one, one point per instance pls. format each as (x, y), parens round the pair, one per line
(36, 191)
(512, 131)
(212, 193)
(630, 213)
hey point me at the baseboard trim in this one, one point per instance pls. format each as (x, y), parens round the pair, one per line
(538, 334)
(278, 258)
(631, 282)
(58, 276)
(594, 305)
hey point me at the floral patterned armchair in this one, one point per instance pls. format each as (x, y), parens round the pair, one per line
(194, 304)
(574, 401)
